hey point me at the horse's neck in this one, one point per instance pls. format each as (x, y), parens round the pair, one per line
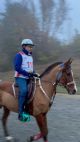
(49, 82)
(52, 75)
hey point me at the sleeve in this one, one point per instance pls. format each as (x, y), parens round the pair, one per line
(17, 65)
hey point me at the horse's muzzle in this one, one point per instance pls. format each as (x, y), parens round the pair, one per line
(73, 92)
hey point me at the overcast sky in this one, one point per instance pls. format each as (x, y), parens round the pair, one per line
(74, 20)
(73, 23)
(75, 13)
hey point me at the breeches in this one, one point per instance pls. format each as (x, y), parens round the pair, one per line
(23, 86)
(23, 92)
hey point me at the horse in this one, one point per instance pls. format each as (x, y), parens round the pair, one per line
(59, 73)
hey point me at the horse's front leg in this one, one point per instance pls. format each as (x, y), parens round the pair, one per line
(42, 123)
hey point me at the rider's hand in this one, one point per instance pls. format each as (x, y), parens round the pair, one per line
(36, 75)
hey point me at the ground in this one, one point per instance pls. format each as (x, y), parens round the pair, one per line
(63, 121)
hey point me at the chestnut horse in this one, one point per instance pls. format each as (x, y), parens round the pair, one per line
(59, 73)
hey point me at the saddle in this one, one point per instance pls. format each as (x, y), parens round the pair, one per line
(31, 88)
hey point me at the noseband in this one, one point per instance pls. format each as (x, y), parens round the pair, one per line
(70, 83)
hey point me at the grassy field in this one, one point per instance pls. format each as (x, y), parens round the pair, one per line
(78, 87)
(76, 70)
(63, 90)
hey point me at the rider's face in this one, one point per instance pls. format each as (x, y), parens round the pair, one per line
(29, 48)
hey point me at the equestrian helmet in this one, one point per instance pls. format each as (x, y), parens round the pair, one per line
(27, 42)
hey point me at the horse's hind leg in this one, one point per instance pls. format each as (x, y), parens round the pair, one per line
(42, 123)
(4, 124)
(0, 106)
(4, 120)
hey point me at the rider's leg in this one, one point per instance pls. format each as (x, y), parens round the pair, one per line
(23, 87)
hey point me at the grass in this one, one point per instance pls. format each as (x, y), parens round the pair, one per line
(78, 89)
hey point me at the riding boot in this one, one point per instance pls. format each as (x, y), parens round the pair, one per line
(23, 116)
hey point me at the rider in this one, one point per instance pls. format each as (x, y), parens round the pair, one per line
(23, 65)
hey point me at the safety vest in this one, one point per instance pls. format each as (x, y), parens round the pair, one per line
(27, 64)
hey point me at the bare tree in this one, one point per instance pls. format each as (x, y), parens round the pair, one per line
(20, 20)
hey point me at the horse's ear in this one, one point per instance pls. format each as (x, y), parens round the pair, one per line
(69, 61)
(63, 65)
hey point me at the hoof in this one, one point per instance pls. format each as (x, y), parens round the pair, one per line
(11, 139)
(0, 106)
(30, 139)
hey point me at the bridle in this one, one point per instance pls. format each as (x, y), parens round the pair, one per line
(62, 84)
(58, 77)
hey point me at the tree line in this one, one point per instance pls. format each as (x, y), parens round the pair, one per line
(20, 20)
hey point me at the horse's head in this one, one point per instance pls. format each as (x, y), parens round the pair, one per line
(65, 77)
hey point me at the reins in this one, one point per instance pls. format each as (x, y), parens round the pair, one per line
(43, 91)
(50, 100)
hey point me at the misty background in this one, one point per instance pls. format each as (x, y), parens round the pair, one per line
(44, 22)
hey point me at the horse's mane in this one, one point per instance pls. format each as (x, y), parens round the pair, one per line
(49, 68)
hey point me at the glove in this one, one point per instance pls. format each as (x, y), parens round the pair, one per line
(30, 75)
(36, 75)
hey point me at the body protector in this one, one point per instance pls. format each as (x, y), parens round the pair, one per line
(27, 64)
